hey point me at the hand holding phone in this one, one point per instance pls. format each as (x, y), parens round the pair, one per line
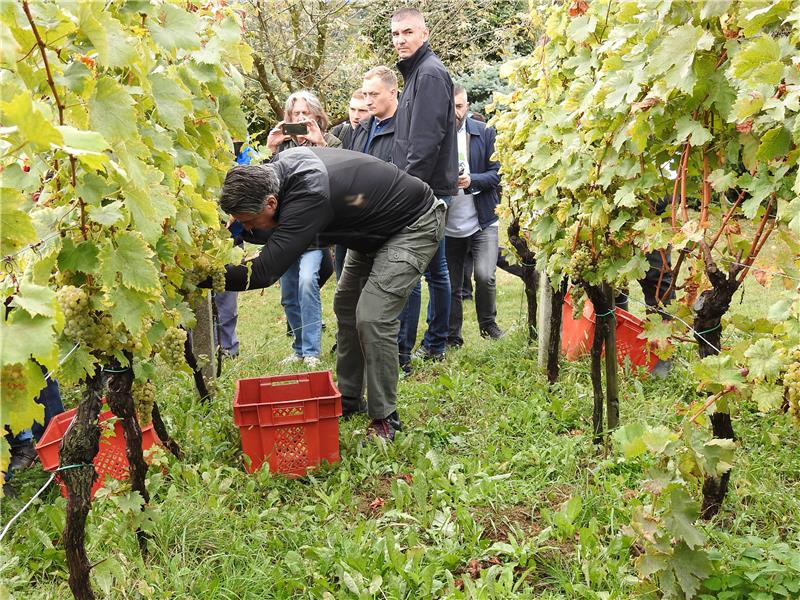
(295, 129)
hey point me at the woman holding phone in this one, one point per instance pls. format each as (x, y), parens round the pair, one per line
(305, 124)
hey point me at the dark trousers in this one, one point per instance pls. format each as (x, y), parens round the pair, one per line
(483, 247)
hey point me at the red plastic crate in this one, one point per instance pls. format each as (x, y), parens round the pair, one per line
(577, 336)
(290, 421)
(111, 459)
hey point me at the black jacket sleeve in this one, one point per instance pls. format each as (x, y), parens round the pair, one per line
(302, 216)
(428, 127)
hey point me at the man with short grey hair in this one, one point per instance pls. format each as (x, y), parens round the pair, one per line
(391, 224)
(425, 146)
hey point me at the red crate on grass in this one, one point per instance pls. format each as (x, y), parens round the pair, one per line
(289, 421)
(629, 344)
(110, 460)
(577, 336)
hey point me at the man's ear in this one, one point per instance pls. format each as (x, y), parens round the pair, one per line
(271, 202)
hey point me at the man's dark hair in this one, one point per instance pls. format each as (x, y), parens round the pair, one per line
(459, 89)
(246, 188)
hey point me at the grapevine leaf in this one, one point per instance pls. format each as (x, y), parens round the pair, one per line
(76, 363)
(714, 8)
(111, 111)
(114, 47)
(690, 567)
(129, 306)
(683, 512)
(768, 397)
(19, 408)
(23, 336)
(688, 128)
(764, 362)
(774, 143)
(629, 438)
(177, 30)
(130, 259)
(82, 257)
(16, 229)
(88, 146)
(230, 109)
(36, 299)
(758, 61)
(107, 215)
(674, 57)
(581, 27)
(658, 439)
(755, 20)
(149, 207)
(719, 370)
(172, 100)
(780, 310)
(722, 181)
(34, 127)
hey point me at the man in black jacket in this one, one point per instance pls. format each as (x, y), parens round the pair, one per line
(425, 146)
(391, 225)
(357, 111)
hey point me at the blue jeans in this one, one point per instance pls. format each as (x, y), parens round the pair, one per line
(227, 316)
(435, 339)
(301, 303)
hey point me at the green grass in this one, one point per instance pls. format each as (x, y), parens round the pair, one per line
(476, 498)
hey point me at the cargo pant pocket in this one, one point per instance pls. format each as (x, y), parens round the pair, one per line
(400, 271)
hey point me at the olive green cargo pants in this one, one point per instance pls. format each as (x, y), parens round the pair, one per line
(371, 293)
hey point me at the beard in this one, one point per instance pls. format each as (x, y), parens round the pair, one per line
(460, 122)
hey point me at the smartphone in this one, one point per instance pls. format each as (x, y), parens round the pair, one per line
(295, 129)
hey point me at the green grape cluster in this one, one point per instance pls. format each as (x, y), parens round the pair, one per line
(791, 381)
(144, 396)
(218, 280)
(74, 303)
(580, 261)
(578, 296)
(173, 344)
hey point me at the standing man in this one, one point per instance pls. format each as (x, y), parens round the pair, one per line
(472, 225)
(425, 146)
(391, 224)
(357, 112)
(375, 135)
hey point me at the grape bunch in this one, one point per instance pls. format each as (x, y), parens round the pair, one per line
(173, 343)
(204, 268)
(578, 296)
(74, 303)
(791, 380)
(580, 262)
(144, 396)
(218, 280)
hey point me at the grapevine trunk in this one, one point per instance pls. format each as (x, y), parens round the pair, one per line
(80, 446)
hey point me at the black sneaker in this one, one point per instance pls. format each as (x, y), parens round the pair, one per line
(352, 407)
(492, 332)
(426, 354)
(385, 428)
(454, 344)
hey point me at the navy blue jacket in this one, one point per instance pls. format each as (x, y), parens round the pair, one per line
(483, 171)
